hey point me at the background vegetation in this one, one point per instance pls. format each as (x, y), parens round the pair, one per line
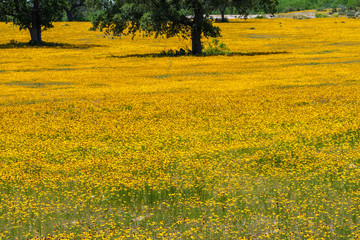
(297, 5)
(88, 10)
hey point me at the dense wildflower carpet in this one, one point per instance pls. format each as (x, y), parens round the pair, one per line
(99, 140)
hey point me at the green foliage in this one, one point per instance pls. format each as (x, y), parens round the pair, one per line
(215, 47)
(75, 10)
(19, 12)
(185, 18)
(4, 18)
(292, 5)
(353, 3)
(297, 5)
(320, 15)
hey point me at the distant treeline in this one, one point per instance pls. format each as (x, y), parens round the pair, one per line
(297, 5)
(79, 11)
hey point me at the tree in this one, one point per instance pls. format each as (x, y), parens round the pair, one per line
(222, 5)
(34, 15)
(184, 18)
(72, 8)
(354, 3)
(222, 12)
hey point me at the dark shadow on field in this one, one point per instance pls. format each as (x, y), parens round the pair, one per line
(176, 54)
(16, 44)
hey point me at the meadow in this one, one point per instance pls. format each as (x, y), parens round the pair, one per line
(97, 142)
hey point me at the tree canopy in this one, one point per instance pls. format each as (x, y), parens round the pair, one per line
(296, 5)
(72, 9)
(169, 18)
(33, 15)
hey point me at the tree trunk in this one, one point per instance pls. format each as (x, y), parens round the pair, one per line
(69, 15)
(196, 31)
(222, 11)
(35, 34)
(35, 30)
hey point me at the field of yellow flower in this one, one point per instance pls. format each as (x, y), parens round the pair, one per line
(98, 144)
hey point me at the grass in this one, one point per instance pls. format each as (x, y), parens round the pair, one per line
(119, 141)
